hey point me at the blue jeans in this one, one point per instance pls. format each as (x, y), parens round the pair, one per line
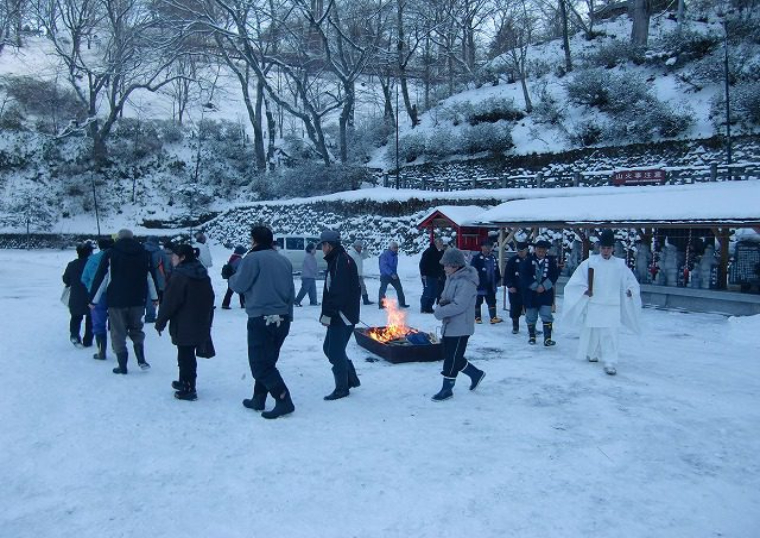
(545, 311)
(334, 347)
(100, 316)
(429, 293)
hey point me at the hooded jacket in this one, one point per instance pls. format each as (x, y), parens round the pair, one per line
(457, 305)
(188, 305)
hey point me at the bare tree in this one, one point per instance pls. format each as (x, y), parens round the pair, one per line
(111, 48)
(514, 31)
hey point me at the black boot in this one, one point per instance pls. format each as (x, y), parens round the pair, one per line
(187, 392)
(140, 354)
(283, 404)
(122, 359)
(365, 297)
(531, 333)
(548, 335)
(258, 401)
(337, 394)
(475, 374)
(102, 342)
(353, 379)
(446, 391)
(515, 325)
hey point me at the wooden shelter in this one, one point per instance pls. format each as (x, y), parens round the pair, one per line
(462, 220)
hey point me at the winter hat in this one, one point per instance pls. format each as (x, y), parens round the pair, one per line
(187, 251)
(522, 245)
(200, 237)
(453, 257)
(607, 238)
(240, 250)
(330, 236)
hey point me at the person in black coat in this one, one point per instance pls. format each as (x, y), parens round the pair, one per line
(538, 274)
(490, 277)
(513, 285)
(431, 272)
(78, 297)
(340, 312)
(187, 307)
(125, 272)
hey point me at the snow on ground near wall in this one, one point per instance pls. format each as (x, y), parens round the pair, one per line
(547, 446)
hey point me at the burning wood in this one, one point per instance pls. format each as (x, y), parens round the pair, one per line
(395, 329)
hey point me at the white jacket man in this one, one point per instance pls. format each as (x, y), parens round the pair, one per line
(358, 254)
(601, 296)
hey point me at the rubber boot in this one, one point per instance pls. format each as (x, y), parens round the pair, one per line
(366, 300)
(258, 401)
(101, 340)
(515, 325)
(283, 404)
(140, 355)
(446, 391)
(475, 374)
(548, 335)
(122, 359)
(531, 333)
(187, 392)
(353, 379)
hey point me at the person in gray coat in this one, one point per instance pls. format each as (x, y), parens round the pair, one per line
(266, 279)
(457, 311)
(309, 274)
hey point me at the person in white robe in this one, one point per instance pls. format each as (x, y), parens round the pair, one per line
(600, 301)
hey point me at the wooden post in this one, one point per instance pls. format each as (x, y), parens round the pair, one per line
(539, 180)
(713, 172)
(446, 183)
(576, 179)
(723, 235)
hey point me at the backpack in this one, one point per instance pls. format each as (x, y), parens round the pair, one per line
(227, 271)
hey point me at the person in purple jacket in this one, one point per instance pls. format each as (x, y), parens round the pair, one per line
(389, 275)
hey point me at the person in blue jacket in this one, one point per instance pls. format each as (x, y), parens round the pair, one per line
(538, 275)
(389, 275)
(100, 312)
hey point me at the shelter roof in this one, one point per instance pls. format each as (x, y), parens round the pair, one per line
(458, 215)
(698, 205)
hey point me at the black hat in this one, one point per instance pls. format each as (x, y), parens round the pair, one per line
(522, 245)
(607, 238)
(543, 243)
(187, 251)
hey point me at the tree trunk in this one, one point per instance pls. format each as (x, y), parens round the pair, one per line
(639, 11)
(346, 121)
(272, 132)
(565, 36)
(258, 132)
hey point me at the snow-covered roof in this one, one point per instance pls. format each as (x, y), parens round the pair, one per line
(705, 203)
(459, 215)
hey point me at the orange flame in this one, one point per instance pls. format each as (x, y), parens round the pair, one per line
(396, 327)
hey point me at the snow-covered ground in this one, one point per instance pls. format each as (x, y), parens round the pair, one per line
(548, 446)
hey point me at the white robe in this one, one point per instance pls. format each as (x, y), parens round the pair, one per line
(600, 315)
